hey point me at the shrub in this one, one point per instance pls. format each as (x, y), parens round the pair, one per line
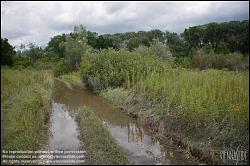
(60, 68)
(110, 68)
(162, 51)
(232, 61)
(200, 59)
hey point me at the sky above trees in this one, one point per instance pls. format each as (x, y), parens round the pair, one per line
(25, 22)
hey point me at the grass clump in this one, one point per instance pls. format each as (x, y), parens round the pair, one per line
(100, 146)
(213, 103)
(26, 106)
(72, 80)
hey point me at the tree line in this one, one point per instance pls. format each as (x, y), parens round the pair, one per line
(216, 45)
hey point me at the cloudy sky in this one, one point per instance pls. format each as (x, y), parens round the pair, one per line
(25, 22)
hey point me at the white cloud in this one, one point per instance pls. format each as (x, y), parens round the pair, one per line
(24, 22)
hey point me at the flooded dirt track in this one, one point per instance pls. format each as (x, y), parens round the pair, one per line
(137, 143)
(65, 134)
(64, 137)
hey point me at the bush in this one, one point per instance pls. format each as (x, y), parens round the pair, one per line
(232, 61)
(45, 63)
(110, 68)
(184, 62)
(199, 59)
(75, 49)
(162, 51)
(60, 68)
(235, 61)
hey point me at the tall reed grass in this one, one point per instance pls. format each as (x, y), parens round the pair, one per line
(26, 106)
(216, 102)
(210, 107)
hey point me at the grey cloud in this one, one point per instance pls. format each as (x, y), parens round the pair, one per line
(113, 7)
(24, 22)
(13, 35)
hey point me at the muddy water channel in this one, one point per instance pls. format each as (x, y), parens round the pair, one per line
(137, 143)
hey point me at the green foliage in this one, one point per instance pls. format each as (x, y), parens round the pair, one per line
(206, 99)
(209, 106)
(200, 59)
(110, 68)
(21, 63)
(92, 37)
(25, 105)
(184, 62)
(230, 36)
(214, 39)
(33, 53)
(119, 96)
(54, 45)
(156, 34)
(205, 57)
(236, 61)
(75, 46)
(133, 43)
(46, 63)
(60, 68)
(222, 47)
(176, 44)
(72, 80)
(162, 51)
(7, 53)
(103, 42)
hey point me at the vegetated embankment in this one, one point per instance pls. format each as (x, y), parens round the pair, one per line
(203, 111)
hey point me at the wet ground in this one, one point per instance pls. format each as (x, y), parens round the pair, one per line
(137, 142)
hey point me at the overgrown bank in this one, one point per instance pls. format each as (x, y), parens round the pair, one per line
(26, 97)
(206, 110)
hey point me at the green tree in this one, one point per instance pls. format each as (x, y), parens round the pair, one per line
(7, 52)
(144, 38)
(194, 36)
(133, 43)
(176, 44)
(232, 35)
(92, 37)
(54, 45)
(75, 47)
(33, 53)
(156, 34)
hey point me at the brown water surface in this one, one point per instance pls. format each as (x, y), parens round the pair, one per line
(137, 142)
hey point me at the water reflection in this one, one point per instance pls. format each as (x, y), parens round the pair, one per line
(136, 141)
(140, 147)
(62, 124)
(64, 137)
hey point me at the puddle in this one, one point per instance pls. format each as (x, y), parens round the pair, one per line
(64, 138)
(136, 141)
(64, 130)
